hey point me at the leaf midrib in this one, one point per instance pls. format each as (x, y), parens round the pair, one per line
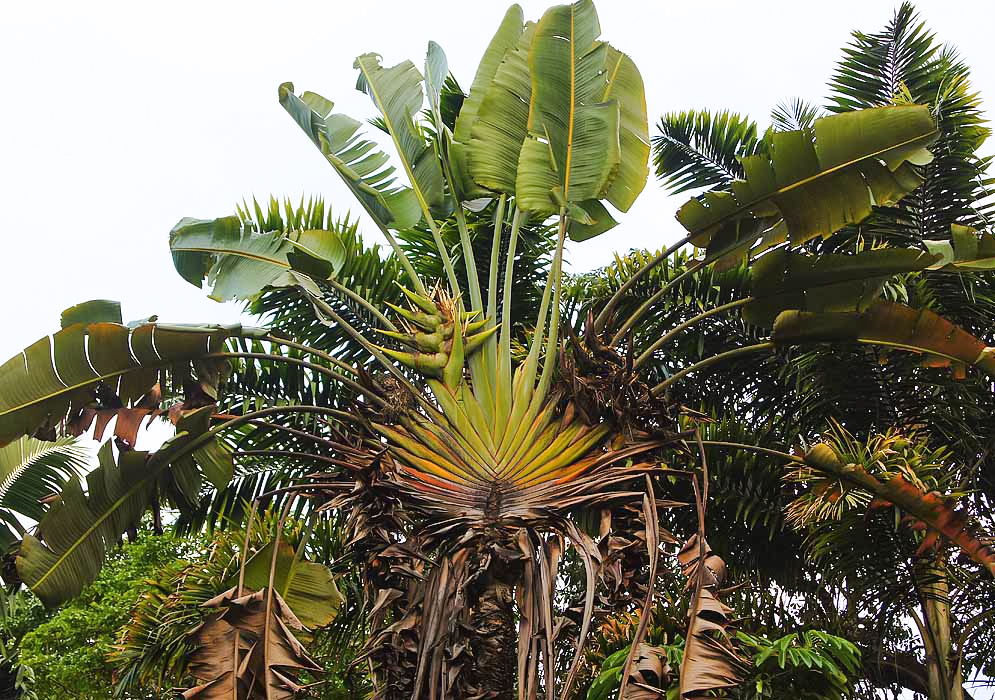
(822, 173)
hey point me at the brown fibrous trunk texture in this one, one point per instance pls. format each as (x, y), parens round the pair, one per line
(495, 640)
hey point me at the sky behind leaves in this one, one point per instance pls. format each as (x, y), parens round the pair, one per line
(121, 118)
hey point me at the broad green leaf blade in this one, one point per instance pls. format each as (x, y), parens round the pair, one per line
(784, 280)
(568, 81)
(40, 385)
(505, 39)
(360, 164)
(306, 586)
(78, 529)
(625, 85)
(214, 459)
(240, 263)
(589, 219)
(889, 324)
(436, 70)
(966, 250)
(31, 470)
(96, 311)
(397, 94)
(501, 124)
(819, 181)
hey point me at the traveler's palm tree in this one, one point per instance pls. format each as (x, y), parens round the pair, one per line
(472, 441)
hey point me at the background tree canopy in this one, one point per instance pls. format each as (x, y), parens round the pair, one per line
(753, 463)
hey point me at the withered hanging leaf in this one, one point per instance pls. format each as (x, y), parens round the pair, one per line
(710, 660)
(214, 658)
(269, 656)
(649, 671)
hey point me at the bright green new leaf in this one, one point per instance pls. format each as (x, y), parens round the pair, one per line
(361, 165)
(783, 280)
(516, 86)
(240, 263)
(306, 586)
(818, 181)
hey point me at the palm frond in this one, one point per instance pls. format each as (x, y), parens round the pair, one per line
(795, 114)
(30, 471)
(698, 148)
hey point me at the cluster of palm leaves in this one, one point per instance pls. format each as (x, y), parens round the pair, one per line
(483, 430)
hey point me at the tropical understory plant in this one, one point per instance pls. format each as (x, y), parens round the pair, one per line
(472, 450)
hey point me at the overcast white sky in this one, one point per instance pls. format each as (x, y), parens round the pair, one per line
(121, 118)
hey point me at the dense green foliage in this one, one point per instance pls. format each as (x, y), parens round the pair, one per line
(475, 489)
(67, 653)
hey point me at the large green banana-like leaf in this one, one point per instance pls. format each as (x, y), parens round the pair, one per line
(818, 181)
(57, 377)
(625, 85)
(30, 470)
(572, 151)
(397, 93)
(889, 324)
(519, 88)
(94, 311)
(500, 125)
(239, 263)
(783, 280)
(358, 161)
(587, 133)
(78, 529)
(966, 250)
(306, 586)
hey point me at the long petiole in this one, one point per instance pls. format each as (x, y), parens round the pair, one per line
(602, 319)
(554, 321)
(532, 360)
(367, 306)
(509, 270)
(492, 280)
(662, 386)
(646, 305)
(669, 335)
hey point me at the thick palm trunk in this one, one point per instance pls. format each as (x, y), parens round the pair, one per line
(496, 639)
(942, 665)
